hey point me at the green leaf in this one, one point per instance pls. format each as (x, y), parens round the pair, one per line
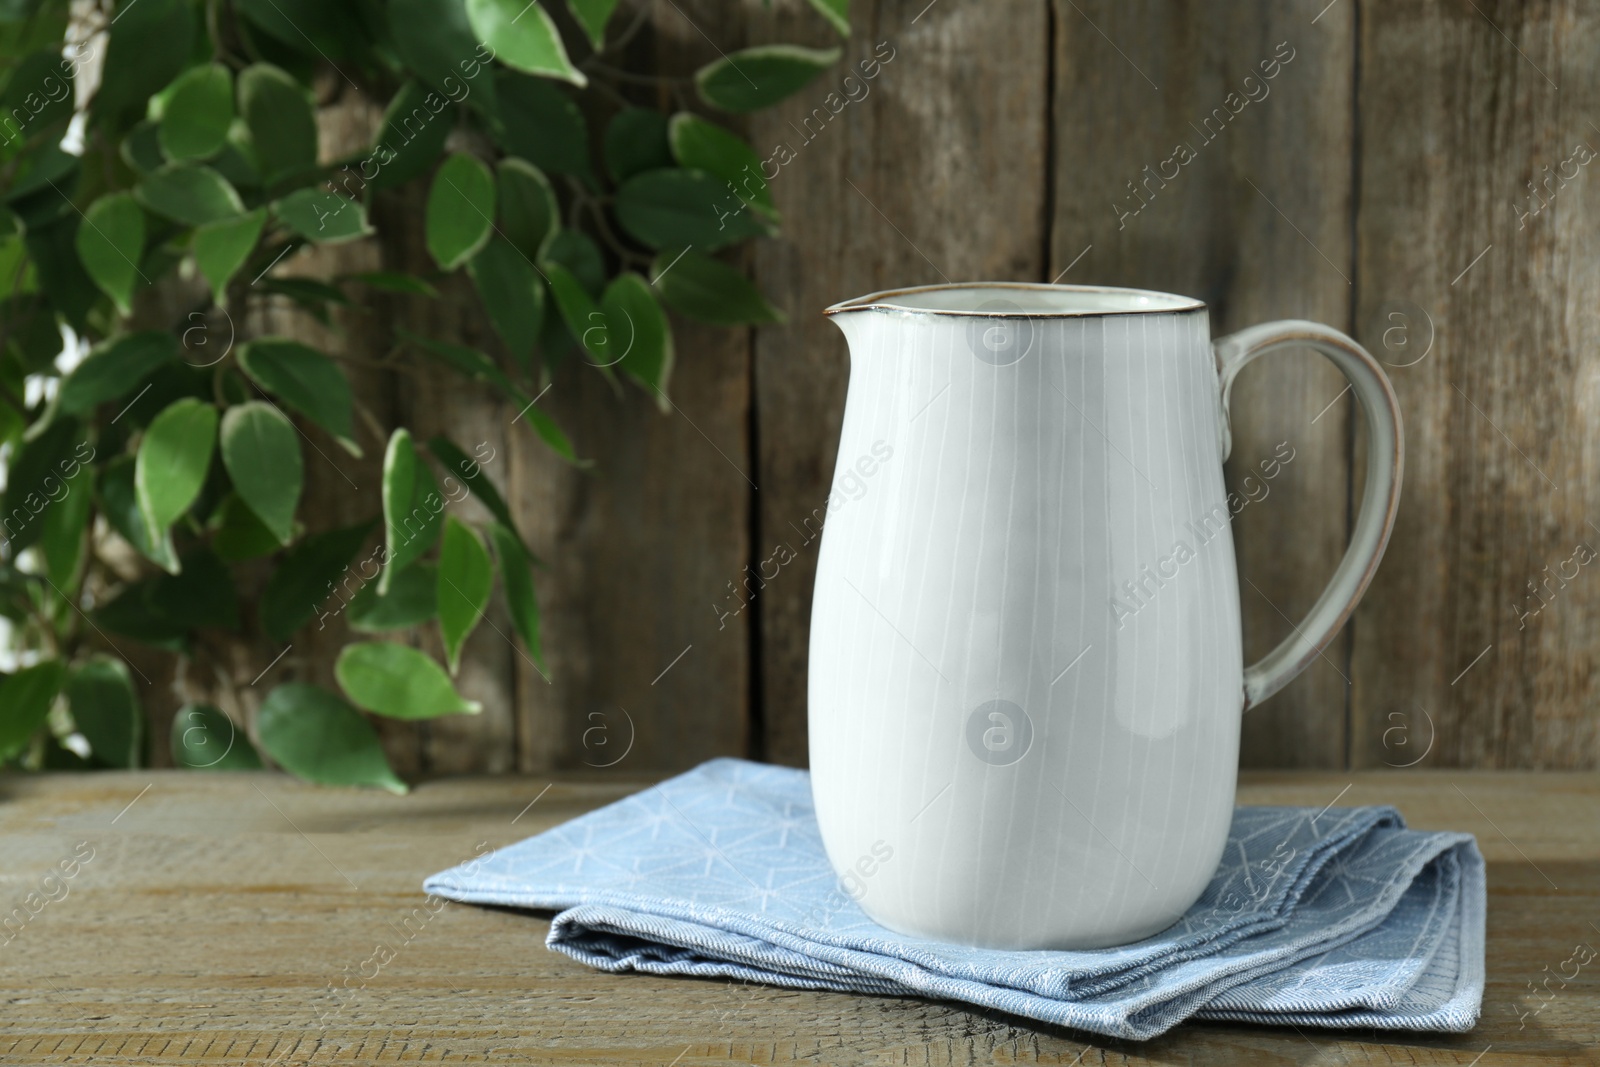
(283, 126)
(706, 146)
(52, 248)
(239, 534)
(198, 112)
(307, 381)
(141, 148)
(468, 362)
(523, 37)
(324, 217)
(836, 12)
(12, 421)
(466, 578)
(412, 137)
(24, 31)
(517, 579)
(604, 339)
(672, 208)
(542, 124)
(574, 250)
(398, 681)
(173, 459)
(580, 312)
(512, 295)
(435, 41)
(129, 614)
(314, 29)
(237, 160)
(119, 501)
(707, 290)
(38, 478)
(460, 212)
(168, 382)
(390, 281)
(65, 523)
(552, 435)
(305, 578)
(114, 367)
(528, 211)
(307, 291)
(25, 699)
(151, 42)
(204, 739)
(39, 94)
(593, 15)
(105, 709)
(217, 487)
(44, 169)
(262, 454)
(755, 78)
(31, 328)
(189, 194)
(110, 243)
(636, 140)
(640, 340)
(221, 248)
(411, 506)
(313, 734)
(475, 364)
(470, 471)
(412, 600)
(198, 596)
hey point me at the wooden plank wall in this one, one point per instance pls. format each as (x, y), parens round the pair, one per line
(1353, 188)
(1461, 108)
(1373, 182)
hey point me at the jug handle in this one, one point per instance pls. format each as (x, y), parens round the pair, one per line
(1379, 500)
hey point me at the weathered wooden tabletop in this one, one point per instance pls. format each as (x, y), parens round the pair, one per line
(247, 918)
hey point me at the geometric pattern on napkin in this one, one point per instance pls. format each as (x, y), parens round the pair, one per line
(1338, 918)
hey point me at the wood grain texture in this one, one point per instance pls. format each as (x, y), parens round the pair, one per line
(1180, 166)
(930, 170)
(640, 546)
(234, 918)
(1480, 634)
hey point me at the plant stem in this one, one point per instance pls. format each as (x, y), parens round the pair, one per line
(620, 41)
(582, 197)
(596, 66)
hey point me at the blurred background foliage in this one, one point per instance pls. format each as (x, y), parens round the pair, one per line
(161, 173)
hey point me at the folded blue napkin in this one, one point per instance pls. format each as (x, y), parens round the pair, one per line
(1339, 918)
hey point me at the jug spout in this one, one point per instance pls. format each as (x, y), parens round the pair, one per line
(852, 317)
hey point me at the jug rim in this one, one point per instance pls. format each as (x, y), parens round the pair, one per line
(1128, 301)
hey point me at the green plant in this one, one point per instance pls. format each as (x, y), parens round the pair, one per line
(197, 159)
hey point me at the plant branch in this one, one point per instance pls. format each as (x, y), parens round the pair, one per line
(582, 197)
(610, 91)
(621, 40)
(373, 364)
(594, 65)
(371, 421)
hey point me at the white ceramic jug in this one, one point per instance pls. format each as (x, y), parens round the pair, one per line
(1026, 675)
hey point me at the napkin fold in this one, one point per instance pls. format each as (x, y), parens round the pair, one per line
(1337, 918)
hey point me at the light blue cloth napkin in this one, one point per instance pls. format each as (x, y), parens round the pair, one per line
(1342, 918)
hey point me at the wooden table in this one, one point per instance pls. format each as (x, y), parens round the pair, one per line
(237, 919)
